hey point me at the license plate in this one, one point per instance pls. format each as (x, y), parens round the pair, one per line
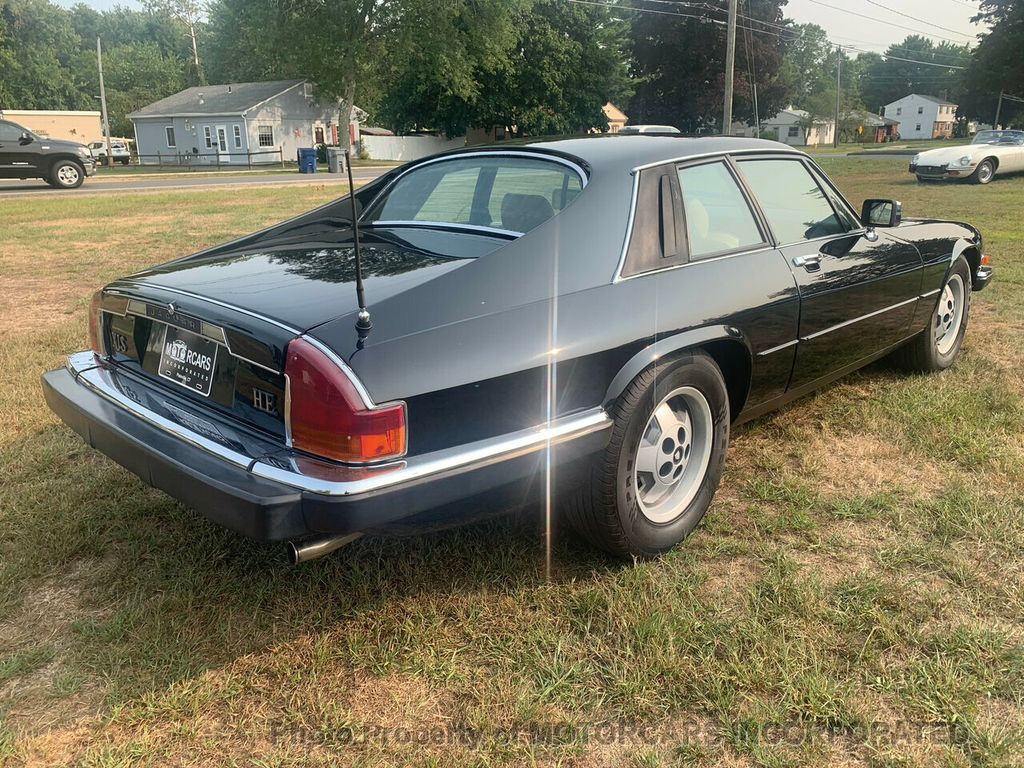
(188, 359)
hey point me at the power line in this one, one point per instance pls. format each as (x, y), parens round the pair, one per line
(792, 34)
(914, 18)
(884, 21)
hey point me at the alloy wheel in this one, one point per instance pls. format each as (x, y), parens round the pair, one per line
(949, 315)
(673, 454)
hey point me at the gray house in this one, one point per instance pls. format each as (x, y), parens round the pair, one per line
(237, 124)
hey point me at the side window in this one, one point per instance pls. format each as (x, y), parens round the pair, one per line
(558, 187)
(794, 204)
(169, 130)
(794, 131)
(10, 132)
(718, 218)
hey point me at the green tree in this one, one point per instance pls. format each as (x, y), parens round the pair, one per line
(535, 67)
(38, 44)
(679, 66)
(996, 64)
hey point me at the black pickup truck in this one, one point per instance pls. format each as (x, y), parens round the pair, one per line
(24, 155)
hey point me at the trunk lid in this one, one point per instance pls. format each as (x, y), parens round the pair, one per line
(301, 285)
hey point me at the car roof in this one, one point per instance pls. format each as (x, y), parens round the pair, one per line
(612, 152)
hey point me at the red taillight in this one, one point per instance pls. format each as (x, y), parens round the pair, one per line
(327, 417)
(95, 324)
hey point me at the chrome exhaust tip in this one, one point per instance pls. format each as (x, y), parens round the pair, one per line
(311, 549)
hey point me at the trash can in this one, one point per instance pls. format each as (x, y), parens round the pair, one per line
(307, 160)
(336, 160)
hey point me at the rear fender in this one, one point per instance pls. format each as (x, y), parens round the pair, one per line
(671, 345)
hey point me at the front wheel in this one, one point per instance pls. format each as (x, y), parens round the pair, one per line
(67, 174)
(938, 346)
(984, 173)
(663, 462)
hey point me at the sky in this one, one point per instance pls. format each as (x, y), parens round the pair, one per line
(886, 25)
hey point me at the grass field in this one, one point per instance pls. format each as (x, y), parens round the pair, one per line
(855, 597)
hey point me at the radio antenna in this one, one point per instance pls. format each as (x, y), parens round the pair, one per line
(363, 322)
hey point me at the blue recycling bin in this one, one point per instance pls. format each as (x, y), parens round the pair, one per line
(307, 160)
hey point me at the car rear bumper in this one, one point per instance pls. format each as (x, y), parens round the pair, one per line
(279, 495)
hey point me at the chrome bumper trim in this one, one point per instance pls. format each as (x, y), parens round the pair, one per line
(324, 478)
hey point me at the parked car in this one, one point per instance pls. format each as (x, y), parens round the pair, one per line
(989, 153)
(649, 130)
(607, 307)
(24, 155)
(118, 150)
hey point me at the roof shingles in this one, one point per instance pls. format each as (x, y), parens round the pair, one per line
(227, 99)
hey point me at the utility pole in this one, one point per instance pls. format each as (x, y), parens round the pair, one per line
(103, 102)
(999, 109)
(730, 68)
(839, 85)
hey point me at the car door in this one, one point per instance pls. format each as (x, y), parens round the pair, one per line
(858, 287)
(15, 162)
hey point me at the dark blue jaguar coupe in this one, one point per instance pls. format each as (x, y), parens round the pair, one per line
(590, 315)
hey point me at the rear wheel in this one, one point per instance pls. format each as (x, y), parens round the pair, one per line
(985, 172)
(66, 174)
(663, 462)
(938, 346)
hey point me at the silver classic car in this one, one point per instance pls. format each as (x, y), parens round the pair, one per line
(990, 153)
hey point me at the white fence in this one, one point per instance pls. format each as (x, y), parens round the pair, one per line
(408, 147)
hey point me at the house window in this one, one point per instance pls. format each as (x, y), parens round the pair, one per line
(207, 136)
(920, 110)
(918, 127)
(237, 129)
(169, 130)
(265, 133)
(794, 131)
(899, 110)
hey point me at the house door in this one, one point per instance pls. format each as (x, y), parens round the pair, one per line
(222, 145)
(318, 133)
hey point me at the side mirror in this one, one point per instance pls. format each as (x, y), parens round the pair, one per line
(25, 138)
(881, 213)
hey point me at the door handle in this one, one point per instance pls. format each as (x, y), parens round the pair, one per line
(810, 262)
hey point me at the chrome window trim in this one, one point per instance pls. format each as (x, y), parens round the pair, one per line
(845, 323)
(578, 169)
(635, 172)
(445, 225)
(97, 378)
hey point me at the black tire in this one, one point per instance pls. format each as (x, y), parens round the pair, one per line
(66, 174)
(923, 354)
(984, 173)
(606, 511)
(123, 161)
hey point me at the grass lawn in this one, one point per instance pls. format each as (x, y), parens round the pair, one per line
(855, 597)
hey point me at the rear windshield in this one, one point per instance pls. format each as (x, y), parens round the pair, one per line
(513, 194)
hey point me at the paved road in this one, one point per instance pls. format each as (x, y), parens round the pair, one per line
(104, 185)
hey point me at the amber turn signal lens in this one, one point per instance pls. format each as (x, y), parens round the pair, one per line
(985, 260)
(327, 417)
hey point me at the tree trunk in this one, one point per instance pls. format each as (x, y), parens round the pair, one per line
(345, 114)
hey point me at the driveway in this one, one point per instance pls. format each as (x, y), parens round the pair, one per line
(103, 184)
